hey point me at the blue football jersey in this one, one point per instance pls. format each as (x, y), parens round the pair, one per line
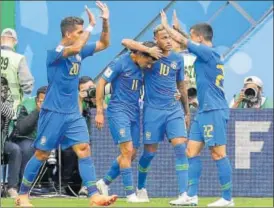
(161, 81)
(63, 79)
(126, 80)
(209, 70)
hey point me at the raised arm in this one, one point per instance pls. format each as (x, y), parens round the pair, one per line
(173, 33)
(176, 25)
(138, 46)
(103, 43)
(81, 42)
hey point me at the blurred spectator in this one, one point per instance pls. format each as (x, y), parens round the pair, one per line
(10, 151)
(251, 95)
(14, 67)
(26, 126)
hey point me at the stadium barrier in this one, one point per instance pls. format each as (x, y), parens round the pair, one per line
(250, 149)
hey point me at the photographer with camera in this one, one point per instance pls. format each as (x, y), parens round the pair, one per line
(10, 152)
(251, 96)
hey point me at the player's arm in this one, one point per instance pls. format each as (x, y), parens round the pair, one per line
(81, 42)
(103, 43)
(112, 72)
(176, 25)
(182, 87)
(99, 118)
(138, 46)
(175, 35)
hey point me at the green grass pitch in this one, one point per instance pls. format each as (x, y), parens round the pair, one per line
(155, 202)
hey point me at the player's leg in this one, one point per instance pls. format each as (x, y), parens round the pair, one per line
(177, 134)
(76, 136)
(215, 136)
(46, 140)
(153, 133)
(114, 170)
(111, 175)
(194, 147)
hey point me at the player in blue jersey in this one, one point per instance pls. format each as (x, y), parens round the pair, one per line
(126, 78)
(60, 121)
(209, 126)
(163, 113)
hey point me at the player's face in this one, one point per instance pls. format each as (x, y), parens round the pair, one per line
(163, 40)
(75, 34)
(195, 37)
(145, 62)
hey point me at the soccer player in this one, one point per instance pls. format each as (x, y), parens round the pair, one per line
(60, 121)
(125, 76)
(209, 126)
(163, 113)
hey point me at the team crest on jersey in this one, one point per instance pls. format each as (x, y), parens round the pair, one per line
(122, 132)
(173, 65)
(108, 72)
(148, 135)
(78, 57)
(43, 140)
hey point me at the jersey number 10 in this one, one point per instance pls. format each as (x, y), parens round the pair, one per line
(164, 70)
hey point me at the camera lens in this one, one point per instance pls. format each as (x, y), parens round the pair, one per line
(250, 93)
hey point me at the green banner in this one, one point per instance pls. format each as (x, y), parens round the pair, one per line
(7, 9)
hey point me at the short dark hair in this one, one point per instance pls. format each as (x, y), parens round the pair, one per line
(41, 90)
(149, 44)
(203, 29)
(68, 24)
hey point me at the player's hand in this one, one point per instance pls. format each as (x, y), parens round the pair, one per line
(176, 24)
(83, 94)
(155, 52)
(164, 19)
(241, 97)
(187, 119)
(104, 9)
(91, 17)
(177, 95)
(99, 120)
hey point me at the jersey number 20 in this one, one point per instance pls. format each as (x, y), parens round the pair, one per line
(74, 70)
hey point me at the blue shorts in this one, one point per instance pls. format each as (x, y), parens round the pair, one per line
(123, 129)
(158, 123)
(210, 127)
(58, 128)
